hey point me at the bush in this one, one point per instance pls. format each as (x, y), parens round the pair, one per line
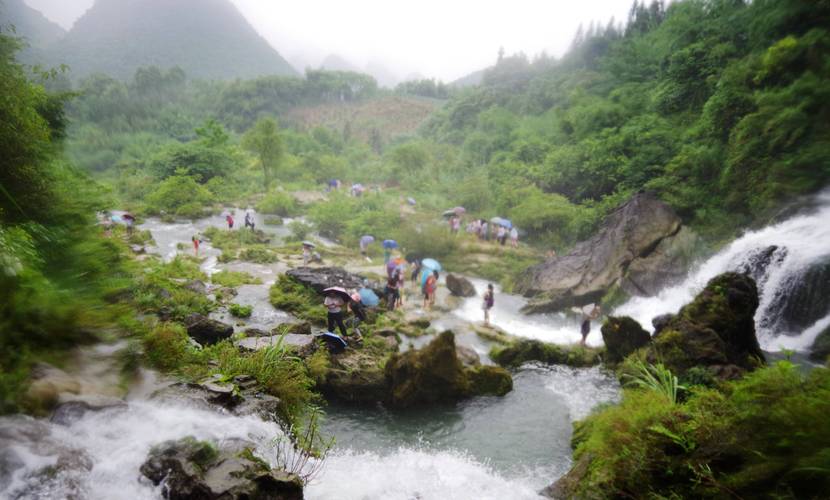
(234, 279)
(240, 311)
(178, 192)
(278, 203)
(292, 296)
(258, 253)
(299, 230)
(166, 346)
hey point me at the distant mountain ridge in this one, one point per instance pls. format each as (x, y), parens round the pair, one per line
(34, 28)
(208, 39)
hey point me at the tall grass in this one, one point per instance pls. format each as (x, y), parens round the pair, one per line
(656, 378)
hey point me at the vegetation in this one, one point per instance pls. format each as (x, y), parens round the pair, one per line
(240, 311)
(233, 279)
(755, 437)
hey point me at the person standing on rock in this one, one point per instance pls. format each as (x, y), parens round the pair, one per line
(514, 237)
(489, 301)
(249, 220)
(501, 235)
(430, 287)
(196, 242)
(392, 293)
(229, 220)
(334, 304)
(589, 312)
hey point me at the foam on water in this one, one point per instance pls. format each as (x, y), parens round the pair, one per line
(806, 238)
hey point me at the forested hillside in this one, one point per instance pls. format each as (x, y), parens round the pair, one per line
(37, 32)
(209, 39)
(719, 106)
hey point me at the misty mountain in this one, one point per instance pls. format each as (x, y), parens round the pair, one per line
(471, 80)
(30, 25)
(334, 62)
(208, 39)
(384, 76)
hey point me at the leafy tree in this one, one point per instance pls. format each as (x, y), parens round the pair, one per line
(264, 140)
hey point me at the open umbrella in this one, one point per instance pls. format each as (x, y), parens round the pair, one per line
(448, 213)
(368, 297)
(411, 201)
(499, 221)
(309, 244)
(390, 244)
(339, 291)
(116, 218)
(366, 240)
(334, 342)
(431, 264)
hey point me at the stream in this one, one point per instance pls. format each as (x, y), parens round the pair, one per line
(484, 448)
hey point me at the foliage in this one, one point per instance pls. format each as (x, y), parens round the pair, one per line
(756, 436)
(292, 296)
(233, 279)
(656, 378)
(278, 203)
(263, 140)
(179, 195)
(240, 311)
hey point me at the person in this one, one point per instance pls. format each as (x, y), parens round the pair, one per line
(401, 280)
(514, 238)
(430, 287)
(456, 224)
(334, 304)
(416, 270)
(501, 235)
(387, 254)
(483, 233)
(229, 220)
(249, 220)
(358, 314)
(195, 239)
(129, 220)
(306, 254)
(489, 300)
(392, 294)
(589, 312)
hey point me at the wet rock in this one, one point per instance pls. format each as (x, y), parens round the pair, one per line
(521, 351)
(468, 356)
(356, 376)
(73, 408)
(138, 249)
(622, 336)
(493, 334)
(660, 322)
(47, 385)
(320, 278)
(197, 286)
(802, 300)
(460, 286)
(585, 274)
(295, 328)
(247, 399)
(820, 350)
(757, 262)
(225, 294)
(666, 265)
(290, 339)
(191, 470)
(717, 328)
(489, 380)
(256, 332)
(417, 319)
(436, 374)
(207, 331)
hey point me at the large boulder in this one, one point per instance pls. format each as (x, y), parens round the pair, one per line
(664, 266)
(800, 301)
(460, 286)
(436, 374)
(716, 330)
(207, 331)
(585, 274)
(518, 352)
(48, 385)
(320, 278)
(189, 469)
(820, 350)
(622, 336)
(356, 376)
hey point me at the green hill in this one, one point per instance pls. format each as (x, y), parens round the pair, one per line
(30, 25)
(208, 39)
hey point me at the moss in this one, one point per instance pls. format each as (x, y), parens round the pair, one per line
(489, 380)
(240, 311)
(521, 351)
(234, 279)
(166, 346)
(292, 296)
(259, 254)
(201, 453)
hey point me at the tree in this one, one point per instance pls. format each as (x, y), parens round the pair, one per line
(263, 139)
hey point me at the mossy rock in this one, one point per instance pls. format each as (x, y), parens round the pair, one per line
(622, 336)
(519, 352)
(489, 380)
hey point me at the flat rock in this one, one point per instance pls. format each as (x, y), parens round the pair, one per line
(207, 331)
(290, 339)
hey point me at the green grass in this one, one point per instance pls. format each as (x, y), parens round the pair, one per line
(240, 311)
(291, 296)
(234, 279)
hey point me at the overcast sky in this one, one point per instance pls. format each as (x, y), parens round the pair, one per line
(445, 39)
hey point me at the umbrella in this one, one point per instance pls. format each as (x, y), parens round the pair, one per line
(390, 244)
(501, 222)
(431, 264)
(309, 244)
(459, 210)
(116, 218)
(449, 213)
(334, 342)
(368, 297)
(365, 240)
(128, 217)
(340, 291)
(411, 201)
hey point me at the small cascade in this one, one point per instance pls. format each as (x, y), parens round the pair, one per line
(790, 262)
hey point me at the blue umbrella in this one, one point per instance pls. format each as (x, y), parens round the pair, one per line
(390, 244)
(431, 264)
(499, 221)
(366, 240)
(368, 297)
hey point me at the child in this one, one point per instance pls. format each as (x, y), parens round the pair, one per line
(489, 300)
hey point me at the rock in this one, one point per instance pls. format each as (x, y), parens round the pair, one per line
(666, 265)
(207, 331)
(757, 262)
(493, 334)
(256, 332)
(320, 278)
(356, 376)
(566, 486)
(225, 293)
(296, 328)
(417, 319)
(802, 300)
(622, 336)
(290, 339)
(138, 249)
(196, 470)
(468, 356)
(248, 399)
(820, 350)
(521, 351)
(435, 374)
(460, 286)
(585, 274)
(660, 322)
(717, 328)
(197, 286)
(71, 409)
(47, 386)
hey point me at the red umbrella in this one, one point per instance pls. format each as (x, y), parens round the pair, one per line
(346, 296)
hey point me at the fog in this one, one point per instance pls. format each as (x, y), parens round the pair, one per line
(440, 39)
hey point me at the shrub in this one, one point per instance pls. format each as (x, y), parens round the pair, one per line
(278, 203)
(178, 192)
(299, 229)
(292, 296)
(234, 279)
(166, 346)
(240, 311)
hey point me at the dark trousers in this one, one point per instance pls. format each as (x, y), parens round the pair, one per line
(337, 318)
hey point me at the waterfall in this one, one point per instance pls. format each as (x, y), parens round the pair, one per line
(782, 258)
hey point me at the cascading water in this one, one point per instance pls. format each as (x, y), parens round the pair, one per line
(777, 256)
